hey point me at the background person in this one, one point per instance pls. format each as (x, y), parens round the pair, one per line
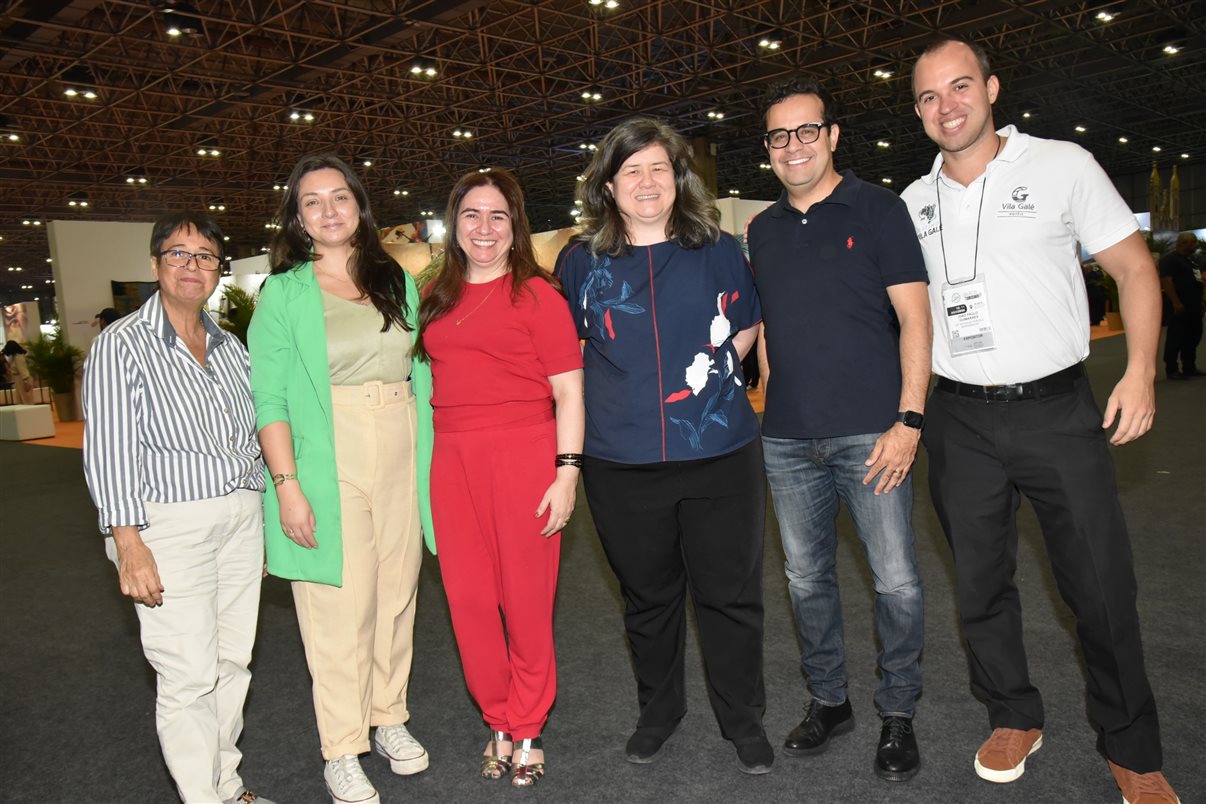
(1182, 285)
(673, 470)
(507, 400)
(173, 465)
(18, 373)
(342, 410)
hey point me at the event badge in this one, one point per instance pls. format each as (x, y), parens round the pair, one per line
(968, 326)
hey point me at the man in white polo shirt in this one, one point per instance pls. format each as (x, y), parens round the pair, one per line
(999, 217)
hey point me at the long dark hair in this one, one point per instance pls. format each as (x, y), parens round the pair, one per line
(443, 292)
(694, 221)
(374, 272)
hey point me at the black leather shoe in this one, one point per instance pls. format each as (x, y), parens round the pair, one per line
(897, 758)
(819, 724)
(645, 744)
(754, 755)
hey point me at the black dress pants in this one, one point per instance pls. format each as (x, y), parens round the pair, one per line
(1182, 339)
(698, 525)
(983, 456)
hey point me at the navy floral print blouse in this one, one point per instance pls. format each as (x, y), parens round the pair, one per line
(663, 381)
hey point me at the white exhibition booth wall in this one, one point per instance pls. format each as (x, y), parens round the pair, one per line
(87, 255)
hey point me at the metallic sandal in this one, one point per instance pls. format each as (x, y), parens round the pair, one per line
(494, 765)
(525, 774)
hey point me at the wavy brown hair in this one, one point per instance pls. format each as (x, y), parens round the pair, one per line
(444, 291)
(694, 221)
(374, 272)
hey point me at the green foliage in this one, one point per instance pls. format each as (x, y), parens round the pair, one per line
(239, 306)
(54, 361)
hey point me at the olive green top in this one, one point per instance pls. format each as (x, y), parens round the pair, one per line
(357, 350)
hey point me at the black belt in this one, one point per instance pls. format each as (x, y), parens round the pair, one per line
(1061, 382)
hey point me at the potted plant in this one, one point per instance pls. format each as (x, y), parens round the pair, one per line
(56, 362)
(239, 306)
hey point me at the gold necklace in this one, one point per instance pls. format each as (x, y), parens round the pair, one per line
(479, 304)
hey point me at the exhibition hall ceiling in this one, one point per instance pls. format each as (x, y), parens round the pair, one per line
(533, 83)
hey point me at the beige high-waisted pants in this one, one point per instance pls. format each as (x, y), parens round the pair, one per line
(358, 636)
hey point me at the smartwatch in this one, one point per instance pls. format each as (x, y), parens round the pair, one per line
(911, 418)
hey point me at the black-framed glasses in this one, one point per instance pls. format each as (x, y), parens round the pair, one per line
(177, 258)
(806, 134)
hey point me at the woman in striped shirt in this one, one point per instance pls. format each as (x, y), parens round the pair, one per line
(173, 465)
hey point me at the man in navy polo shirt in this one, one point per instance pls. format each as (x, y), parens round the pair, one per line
(833, 258)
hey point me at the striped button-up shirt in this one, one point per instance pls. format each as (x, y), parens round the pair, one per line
(161, 427)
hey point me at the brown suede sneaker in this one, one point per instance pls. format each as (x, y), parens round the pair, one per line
(1143, 788)
(1002, 758)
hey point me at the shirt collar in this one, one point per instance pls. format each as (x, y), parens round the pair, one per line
(155, 318)
(1016, 144)
(845, 193)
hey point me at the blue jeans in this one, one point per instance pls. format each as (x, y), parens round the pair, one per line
(807, 478)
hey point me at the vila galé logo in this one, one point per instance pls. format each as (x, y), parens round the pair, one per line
(1020, 194)
(927, 213)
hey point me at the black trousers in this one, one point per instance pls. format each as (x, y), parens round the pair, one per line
(1181, 341)
(698, 525)
(983, 457)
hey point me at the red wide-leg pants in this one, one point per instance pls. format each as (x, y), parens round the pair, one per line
(499, 573)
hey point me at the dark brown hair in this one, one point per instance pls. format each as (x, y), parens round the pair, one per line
(694, 221)
(444, 291)
(943, 41)
(374, 272)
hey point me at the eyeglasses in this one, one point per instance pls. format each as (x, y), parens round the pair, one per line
(175, 258)
(806, 134)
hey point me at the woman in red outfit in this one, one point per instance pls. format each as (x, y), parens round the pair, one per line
(509, 419)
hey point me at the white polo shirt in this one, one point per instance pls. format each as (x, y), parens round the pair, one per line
(1032, 205)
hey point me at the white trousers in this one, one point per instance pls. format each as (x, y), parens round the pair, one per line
(210, 556)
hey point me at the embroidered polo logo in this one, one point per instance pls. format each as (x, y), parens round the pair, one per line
(1020, 194)
(927, 213)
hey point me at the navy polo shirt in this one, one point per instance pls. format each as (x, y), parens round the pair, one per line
(663, 380)
(831, 335)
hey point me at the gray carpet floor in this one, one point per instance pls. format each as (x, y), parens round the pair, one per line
(77, 698)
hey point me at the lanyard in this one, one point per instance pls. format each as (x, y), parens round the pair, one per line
(979, 212)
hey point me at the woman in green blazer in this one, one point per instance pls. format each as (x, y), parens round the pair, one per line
(344, 416)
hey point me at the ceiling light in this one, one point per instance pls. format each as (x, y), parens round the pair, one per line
(462, 133)
(1156, 149)
(1184, 156)
(886, 180)
(883, 144)
(12, 136)
(716, 115)
(208, 150)
(769, 44)
(1171, 50)
(77, 200)
(575, 212)
(588, 146)
(1025, 115)
(217, 206)
(1081, 129)
(31, 222)
(173, 31)
(885, 74)
(225, 237)
(280, 185)
(764, 165)
(1104, 16)
(423, 69)
(580, 177)
(136, 180)
(1123, 140)
(734, 192)
(366, 163)
(592, 95)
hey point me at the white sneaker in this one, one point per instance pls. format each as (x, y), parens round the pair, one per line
(405, 754)
(347, 783)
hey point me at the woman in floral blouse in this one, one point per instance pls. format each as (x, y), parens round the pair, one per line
(666, 305)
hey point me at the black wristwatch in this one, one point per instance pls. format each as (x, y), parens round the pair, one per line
(911, 418)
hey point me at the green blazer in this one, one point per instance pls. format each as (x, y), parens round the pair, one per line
(291, 382)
